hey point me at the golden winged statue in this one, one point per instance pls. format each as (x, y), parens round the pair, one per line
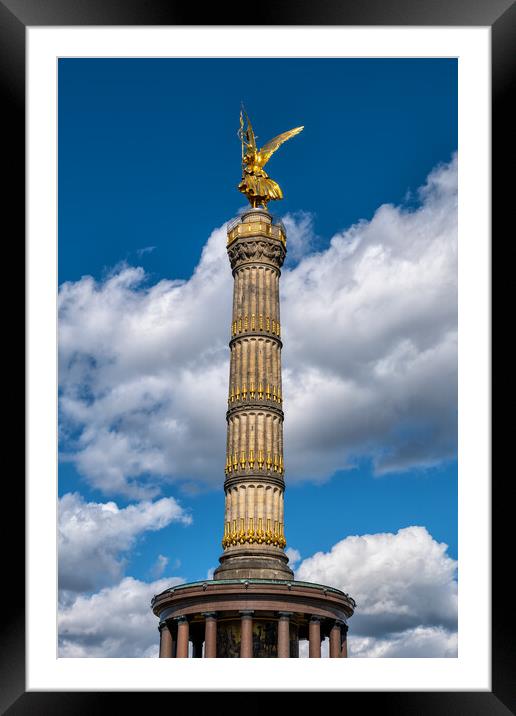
(256, 184)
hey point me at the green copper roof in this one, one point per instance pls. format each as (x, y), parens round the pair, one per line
(292, 582)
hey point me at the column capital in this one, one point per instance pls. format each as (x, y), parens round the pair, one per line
(209, 615)
(181, 618)
(246, 612)
(315, 618)
(285, 615)
(162, 625)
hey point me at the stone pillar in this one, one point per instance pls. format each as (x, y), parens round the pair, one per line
(183, 629)
(314, 637)
(246, 639)
(166, 642)
(335, 641)
(344, 641)
(254, 443)
(210, 635)
(284, 635)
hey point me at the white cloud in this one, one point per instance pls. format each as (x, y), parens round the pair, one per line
(143, 372)
(95, 537)
(422, 642)
(404, 584)
(370, 357)
(160, 566)
(300, 233)
(115, 622)
(293, 555)
(303, 648)
(370, 335)
(145, 250)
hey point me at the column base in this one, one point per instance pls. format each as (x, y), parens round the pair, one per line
(240, 564)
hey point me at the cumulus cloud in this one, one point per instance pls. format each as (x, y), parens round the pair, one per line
(404, 585)
(421, 642)
(301, 238)
(303, 649)
(370, 357)
(94, 538)
(160, 566)
(143, 374)
(293, 555)
(405, 588)
(370, 335)
(117, 621)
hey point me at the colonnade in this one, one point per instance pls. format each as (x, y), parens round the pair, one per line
(174, 643)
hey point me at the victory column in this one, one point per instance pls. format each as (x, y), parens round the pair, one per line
(253, 607)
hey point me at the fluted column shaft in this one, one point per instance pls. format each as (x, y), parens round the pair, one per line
(254, 486)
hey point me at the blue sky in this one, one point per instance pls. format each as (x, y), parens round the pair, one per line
(148, 153)
(149, 161)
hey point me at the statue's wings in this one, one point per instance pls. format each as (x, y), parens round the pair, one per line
(268, 149)
(249, 133)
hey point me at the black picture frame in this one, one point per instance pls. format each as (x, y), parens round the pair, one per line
(15, 17)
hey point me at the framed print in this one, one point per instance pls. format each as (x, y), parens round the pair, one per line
(129, 150)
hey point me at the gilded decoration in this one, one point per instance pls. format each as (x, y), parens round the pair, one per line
(261, 460)
(257, 186)
(255, 392)
(257, 228)
(255, 322)
(271, 535)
